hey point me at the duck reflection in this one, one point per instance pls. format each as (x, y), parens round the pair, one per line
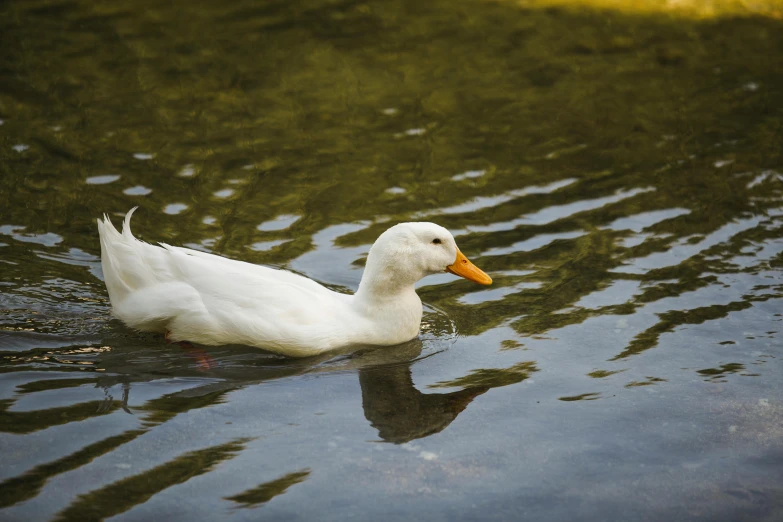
(391, 402)
(400, 412)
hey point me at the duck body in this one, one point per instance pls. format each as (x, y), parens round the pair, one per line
(208, 299)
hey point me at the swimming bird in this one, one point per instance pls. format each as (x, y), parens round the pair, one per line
(207, 299)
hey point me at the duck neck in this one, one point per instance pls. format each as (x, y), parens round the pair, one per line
(388, 300)
(382, 282)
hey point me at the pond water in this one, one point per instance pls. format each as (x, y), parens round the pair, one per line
(618, 174)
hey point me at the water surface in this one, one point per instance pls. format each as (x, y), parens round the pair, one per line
(619, 175)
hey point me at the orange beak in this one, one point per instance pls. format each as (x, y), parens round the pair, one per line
(464, 268)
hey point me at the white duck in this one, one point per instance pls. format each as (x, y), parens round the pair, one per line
(208, 299)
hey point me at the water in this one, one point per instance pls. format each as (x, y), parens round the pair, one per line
(618, 174)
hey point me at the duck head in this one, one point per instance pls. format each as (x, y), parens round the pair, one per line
(408, 252)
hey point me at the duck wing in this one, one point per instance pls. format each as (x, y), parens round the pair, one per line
(210, 299)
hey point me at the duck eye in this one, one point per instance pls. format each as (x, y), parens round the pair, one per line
(436, 241)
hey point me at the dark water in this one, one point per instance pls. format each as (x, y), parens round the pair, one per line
(620, 176)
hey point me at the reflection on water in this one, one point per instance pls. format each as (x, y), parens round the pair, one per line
(265, 492)
(617, 172)
(119, 496)
(400, 412)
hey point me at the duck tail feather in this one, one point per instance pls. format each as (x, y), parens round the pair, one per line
(126, 228)
(115, 247)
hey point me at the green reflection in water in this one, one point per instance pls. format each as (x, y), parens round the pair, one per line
(491, 378)
(583, 397)
(510, 344)
(672, 319)
(167, 407)
(30, 421)
(122, 495)
(722, 371)
(265, 492)
(52, 384)
(600, 374)
(650, 381)
(28, 485)
(160, 410)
